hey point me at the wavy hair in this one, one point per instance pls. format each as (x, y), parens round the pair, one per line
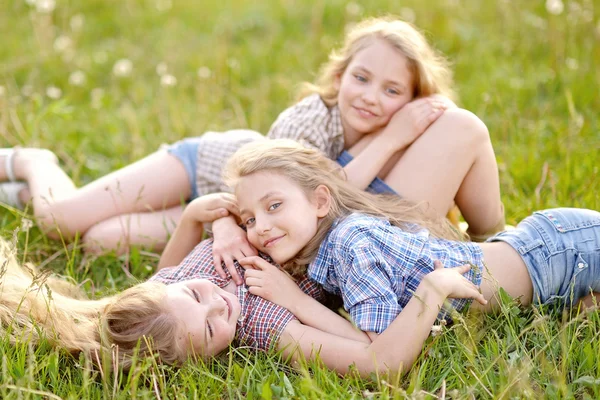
(429, 69)
(35, 306)
(308, 168)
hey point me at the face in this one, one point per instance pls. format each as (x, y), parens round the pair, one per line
(375, 85)
(280, 217)
(208, 315)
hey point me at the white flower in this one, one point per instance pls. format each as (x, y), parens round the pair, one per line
(168, 80)
(2, 91)
(204, 73)
(122, 68)
(555, 7)
(233, 63)
(353, 9)
(45, 6)
(62, 43)
(77, 78)
(26, 224)
(161, 68)
(77, 22)
(53, 92)
(97, 94)
(436, 330)
(408, 14)
(572, 64)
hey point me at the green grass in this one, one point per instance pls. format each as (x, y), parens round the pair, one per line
(531, 76)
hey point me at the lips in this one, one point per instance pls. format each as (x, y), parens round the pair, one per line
(228, 306)
(363, 112)
(272, 241)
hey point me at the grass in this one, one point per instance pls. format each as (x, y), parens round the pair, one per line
(529, 74)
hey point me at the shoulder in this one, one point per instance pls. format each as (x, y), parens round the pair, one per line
(309, 113)
(355, 228)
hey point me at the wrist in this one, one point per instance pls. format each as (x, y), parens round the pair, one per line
(432, 285)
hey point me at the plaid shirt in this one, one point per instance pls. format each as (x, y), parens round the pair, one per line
(261, 322)
(376, 267)
(213, 152)
(313, 124)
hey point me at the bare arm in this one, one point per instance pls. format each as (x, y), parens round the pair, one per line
(189, 230)
(269, 282)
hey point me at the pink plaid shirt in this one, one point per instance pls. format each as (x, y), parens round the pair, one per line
(261, 322)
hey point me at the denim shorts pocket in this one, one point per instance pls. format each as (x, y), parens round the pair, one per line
(570, 219)
(571, 283)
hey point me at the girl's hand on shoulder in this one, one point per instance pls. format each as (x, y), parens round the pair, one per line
(269, 282)
(230, 243)
(409, 122)
(452, 282)
(211, 207)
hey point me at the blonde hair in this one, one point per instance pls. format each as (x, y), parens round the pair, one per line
(309, 169)
(429, 69)
(36, 306)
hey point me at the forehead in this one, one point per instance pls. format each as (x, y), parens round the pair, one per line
(258, 185)
(380, 57)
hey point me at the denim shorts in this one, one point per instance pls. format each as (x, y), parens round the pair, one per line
(561, 249)
(377, 186)
(186, 151)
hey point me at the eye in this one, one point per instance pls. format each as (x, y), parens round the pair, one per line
(393, 91)
(274, 206)
(360, 78)
(249, 221)
(196, 295)
(210, 329)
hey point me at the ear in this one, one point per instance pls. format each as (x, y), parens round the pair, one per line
(322, 200)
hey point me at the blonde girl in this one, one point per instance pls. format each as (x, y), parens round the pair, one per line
(379, 255)
(184, 312)
(381, 107)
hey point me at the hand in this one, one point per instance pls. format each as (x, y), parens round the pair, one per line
(452, 282)
(211, 207)
(230, 243)
(409, 122)
(269, 282)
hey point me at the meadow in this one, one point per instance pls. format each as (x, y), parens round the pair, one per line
(103, 83)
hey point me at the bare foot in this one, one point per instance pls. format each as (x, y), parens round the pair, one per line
(25, 157)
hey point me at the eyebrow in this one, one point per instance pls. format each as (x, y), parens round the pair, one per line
(266, 196)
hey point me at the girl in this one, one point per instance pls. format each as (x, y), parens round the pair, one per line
(376, 254)
(379, 99)
(186, 311)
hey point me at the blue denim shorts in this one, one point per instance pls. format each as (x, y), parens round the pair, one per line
(186, 151)
(377, 186)
(561, 249)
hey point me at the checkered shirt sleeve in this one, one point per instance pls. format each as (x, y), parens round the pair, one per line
(213, 152)
(313, 124)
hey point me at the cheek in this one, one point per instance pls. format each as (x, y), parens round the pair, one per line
(252, 237)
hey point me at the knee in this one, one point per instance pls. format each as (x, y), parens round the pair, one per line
(55, 228)
(464, 128)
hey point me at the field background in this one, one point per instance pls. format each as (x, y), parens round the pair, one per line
(103, 83)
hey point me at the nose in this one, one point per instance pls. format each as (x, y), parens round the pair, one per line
(368, 95)
(218, 306)
(262, 225)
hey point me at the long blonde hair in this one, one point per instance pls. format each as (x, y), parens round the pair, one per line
(36, 306)
(430, 71)
(308, 168)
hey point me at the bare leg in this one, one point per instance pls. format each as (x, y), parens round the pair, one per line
(150, 230)
(452, 162)
(155, 183)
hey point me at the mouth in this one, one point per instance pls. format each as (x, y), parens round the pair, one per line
(271, 242)
(365, 113)
(228, 306)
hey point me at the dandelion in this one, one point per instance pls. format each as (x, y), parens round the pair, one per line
(353, 9)
(161, 69)
(168, 80)
(62, 44)
(77, 78)
(96, 97)
(555, 7)
(436, 330)
(2, 91)
(233, 63)
(122, 68)
(76, 22)
(408, 14)
(26, 224)
(53, 92)
(204, 73)
(45, 6)
(572, 64)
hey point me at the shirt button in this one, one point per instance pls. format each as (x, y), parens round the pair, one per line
(580, 265)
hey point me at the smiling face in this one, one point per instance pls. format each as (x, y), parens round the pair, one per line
(280, 217)
(208, 315)
(375, 85)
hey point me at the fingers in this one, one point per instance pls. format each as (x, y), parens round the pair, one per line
(218, 265)
(255, 262)
(437, 264)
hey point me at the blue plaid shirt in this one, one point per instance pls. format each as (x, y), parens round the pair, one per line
(376, 267)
